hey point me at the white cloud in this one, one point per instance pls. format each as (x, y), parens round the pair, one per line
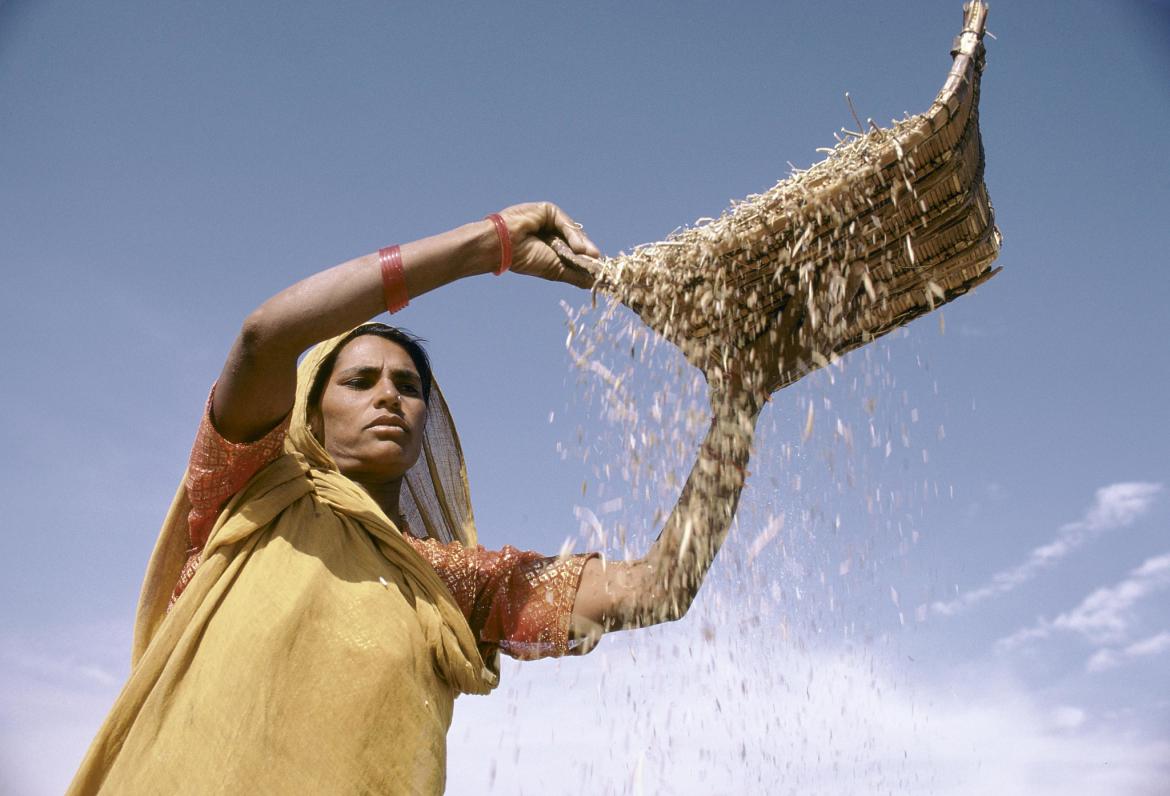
(665, 711)
(1119, 505)
(670, 713)
(1115, 506)
(1102, 660)
(1106, 615)
(1149, 646)
(1041, 630)
(55, 690)
(1067, 717)
(1107, 658)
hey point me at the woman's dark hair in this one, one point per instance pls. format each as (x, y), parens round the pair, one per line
(408, 341)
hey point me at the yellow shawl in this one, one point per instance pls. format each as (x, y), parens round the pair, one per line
(314, 651)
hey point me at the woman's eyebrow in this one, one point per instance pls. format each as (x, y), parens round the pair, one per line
(359, 370)
(374, 370)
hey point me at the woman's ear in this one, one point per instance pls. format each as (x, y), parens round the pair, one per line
(317, 424)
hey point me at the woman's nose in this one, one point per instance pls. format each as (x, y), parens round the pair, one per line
(388, 394)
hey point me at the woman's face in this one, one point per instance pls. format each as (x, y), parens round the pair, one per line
(372, 410)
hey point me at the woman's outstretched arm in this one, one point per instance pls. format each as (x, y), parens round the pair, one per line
(258, 383)
(660, 587)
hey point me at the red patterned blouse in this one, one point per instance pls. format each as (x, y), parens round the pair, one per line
(517, 601)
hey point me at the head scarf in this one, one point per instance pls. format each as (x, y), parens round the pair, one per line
(311, 630)
(435, 498)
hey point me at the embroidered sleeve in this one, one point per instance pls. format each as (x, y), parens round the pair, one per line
(217, 470)
(518, 601)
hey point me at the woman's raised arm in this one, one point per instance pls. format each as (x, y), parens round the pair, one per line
(258, 383)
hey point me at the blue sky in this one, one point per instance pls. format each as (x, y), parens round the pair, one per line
(980, 609)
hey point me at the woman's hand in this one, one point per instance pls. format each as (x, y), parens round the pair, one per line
(533, 228)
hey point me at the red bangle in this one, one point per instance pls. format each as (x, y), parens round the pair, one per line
(393, 279)
(505, 242)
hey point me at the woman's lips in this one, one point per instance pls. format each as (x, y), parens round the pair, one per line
(387, 422)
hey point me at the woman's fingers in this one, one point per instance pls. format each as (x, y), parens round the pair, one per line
(545, 220)
(578, 269)
(577, 277)
(572, 232)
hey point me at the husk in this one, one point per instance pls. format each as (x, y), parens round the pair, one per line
(891, 225)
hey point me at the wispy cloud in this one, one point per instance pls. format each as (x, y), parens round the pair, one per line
(674, 711)
(1115, 506)
(1107, 658)
(56, 686)
(674, 715)
(1105, 616)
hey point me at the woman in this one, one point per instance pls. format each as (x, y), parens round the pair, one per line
(296, 632)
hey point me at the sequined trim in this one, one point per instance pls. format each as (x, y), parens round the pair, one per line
(518, 601)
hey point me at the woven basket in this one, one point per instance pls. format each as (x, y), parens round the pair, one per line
(891, 225)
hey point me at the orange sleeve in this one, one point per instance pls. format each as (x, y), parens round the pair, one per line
(216, 471)
(517, 601)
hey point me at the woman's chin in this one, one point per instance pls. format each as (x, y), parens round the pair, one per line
(390, 466)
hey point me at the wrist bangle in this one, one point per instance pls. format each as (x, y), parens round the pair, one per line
(393, 279)
(505, 242)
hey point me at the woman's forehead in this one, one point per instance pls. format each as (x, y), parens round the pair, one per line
(371, 351)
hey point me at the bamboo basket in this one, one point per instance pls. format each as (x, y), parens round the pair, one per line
(894, 223)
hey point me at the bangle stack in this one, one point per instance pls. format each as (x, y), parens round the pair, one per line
(393, 279)
(505, 242)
